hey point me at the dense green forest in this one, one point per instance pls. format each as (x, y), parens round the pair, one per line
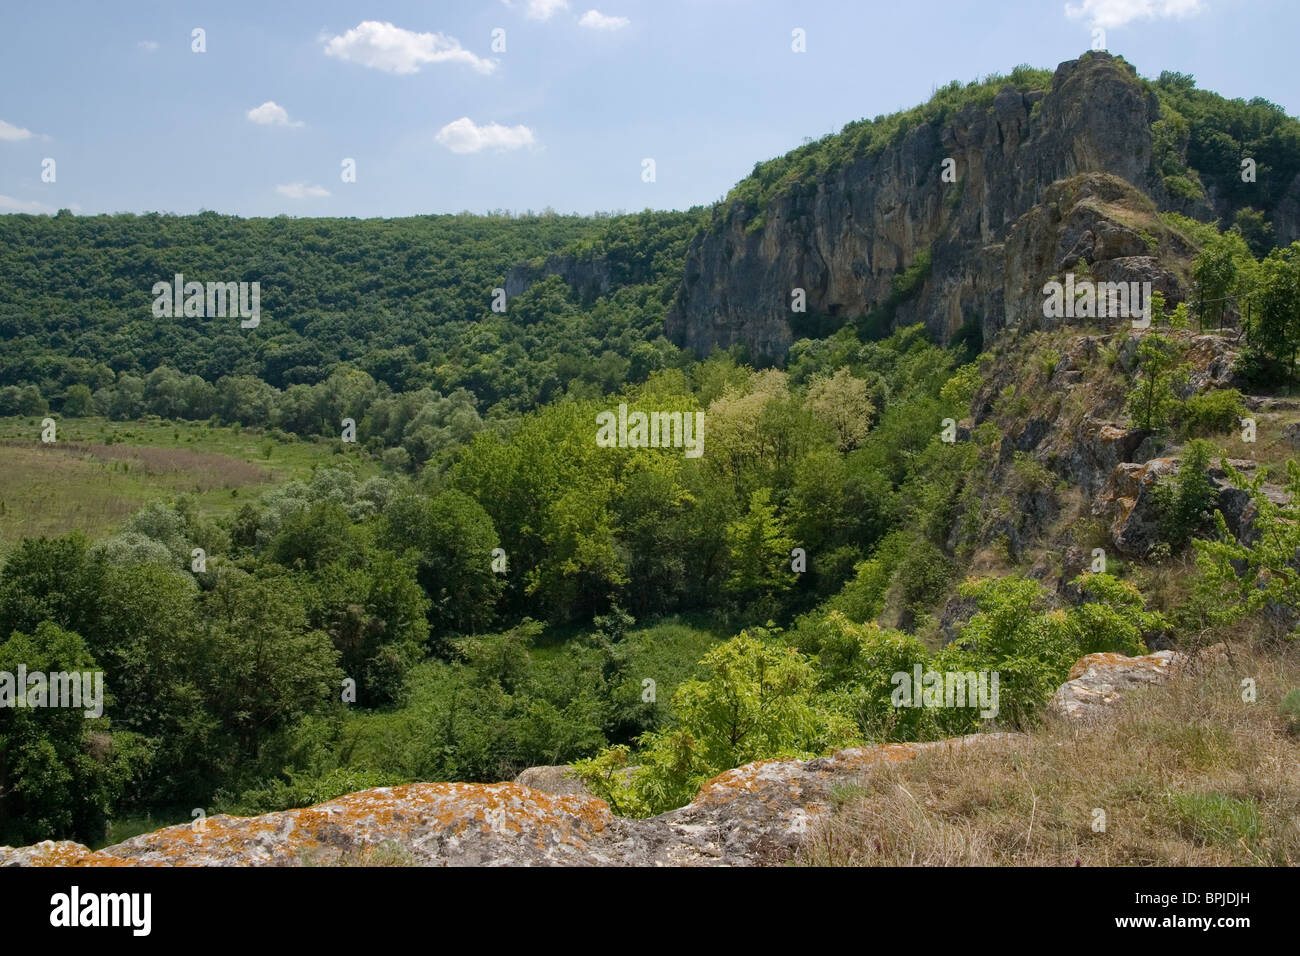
(506, 592)
(406, 301)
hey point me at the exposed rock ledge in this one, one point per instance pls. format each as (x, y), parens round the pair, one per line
(753, 815)
(1097, 679)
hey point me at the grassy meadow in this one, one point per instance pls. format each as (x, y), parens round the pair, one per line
(99, 472)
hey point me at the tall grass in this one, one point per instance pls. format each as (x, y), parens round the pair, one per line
(1184, 774)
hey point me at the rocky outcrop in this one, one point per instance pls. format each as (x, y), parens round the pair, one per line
(1097, 680)
(1098, 449)
(757, 814)
(1135, 527)
(558, 779)
(843, 237)
(1129, 502)
(753, 815)
(1286, 215)
(590, 277)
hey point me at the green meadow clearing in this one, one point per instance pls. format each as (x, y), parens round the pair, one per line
(99, 472)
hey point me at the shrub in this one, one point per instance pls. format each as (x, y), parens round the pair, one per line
(1151, 402)
(1212, 413)
(1047, 362)
(1185, 504)
(759, 700)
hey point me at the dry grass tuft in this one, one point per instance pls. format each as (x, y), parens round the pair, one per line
(1186, 774)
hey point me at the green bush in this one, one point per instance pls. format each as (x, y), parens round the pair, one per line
(759, 700)
(1185, 504)
(1212, 413)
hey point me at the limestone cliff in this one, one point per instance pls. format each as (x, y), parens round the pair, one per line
(844, 236)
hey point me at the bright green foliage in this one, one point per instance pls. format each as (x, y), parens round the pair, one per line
(1216, 273)
(863, 597)
(858, 663)
(959, 390)
(1237, 579)
(1275, 326)
(1212, 413)
(838, 681)
(844, 402)
(758, 701)
(1032, 648)
(760, 551)
(1113, 617)
(1152, 402)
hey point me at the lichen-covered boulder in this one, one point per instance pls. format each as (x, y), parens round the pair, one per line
(756, 814)
(558, 779)
(1096, 681)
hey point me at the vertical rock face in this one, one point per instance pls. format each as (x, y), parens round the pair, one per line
(844, 237)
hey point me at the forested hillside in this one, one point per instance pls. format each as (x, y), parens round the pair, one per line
(478, 584)
(407, 301)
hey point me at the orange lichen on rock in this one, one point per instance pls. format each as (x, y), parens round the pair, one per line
(1095, 681)
(57, 853)
(752, 815)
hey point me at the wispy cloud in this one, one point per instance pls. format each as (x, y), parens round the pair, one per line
(10, 204)
(13, 134)
(148, 45)
(539, 9)
(595, 20)
(271, 113)
(302, 191)
(465, 136)
(382, 46)
(1116, 13)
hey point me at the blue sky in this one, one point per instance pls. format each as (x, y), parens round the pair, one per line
(437, 121)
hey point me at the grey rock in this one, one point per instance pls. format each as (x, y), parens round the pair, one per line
(994, 237)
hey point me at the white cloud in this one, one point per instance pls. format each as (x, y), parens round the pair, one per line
(148, 45)
(464, 136)
(595, 20)
(9, 204)
(271, 113)
(1116, 13)
(383, 46)
(12, 134)
(302, 191)
(540, 9)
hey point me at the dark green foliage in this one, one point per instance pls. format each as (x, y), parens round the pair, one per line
(422, 287)
(1257, 232)
(60, 772)
(451, 538)
(268, 667)
(1202, 138)
(1186, 503)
